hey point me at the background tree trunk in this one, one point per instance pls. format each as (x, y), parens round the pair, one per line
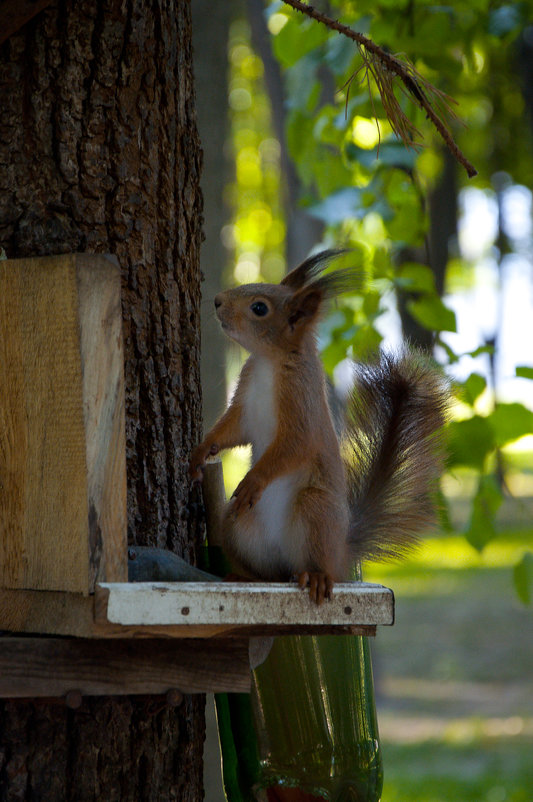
(99, 153)
(211, 24)
(303, 230)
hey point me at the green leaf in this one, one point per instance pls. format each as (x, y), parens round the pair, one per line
(371, 304)
(473, 387)
(510, 421)
(524, 372)
(296, 39)
(366, 342)
(431, 313)
(470, 441)
(332, 354)
(448, 350)
(481, 528)
(302, 85)
(523, 577)
(443, 511)
(339, 54)
(389, 155)
(341, 205)
(415, 277)
(482, 349)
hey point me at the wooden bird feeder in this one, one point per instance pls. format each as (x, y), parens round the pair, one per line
(63, 547)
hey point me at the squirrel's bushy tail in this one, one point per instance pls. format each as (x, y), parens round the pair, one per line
(393, 453)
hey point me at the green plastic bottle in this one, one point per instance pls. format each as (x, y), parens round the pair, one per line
(309, 728)
(315, 718)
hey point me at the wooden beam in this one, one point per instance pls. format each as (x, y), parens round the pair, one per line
(37, 667)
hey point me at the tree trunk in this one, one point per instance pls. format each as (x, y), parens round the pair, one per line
(99, 153)
(211, 23)
(303, 230)
(442, 212)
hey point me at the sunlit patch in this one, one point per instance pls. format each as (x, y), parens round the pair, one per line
(479, 59)
(254, 195)
(235, 463)
(247, 269)
(240, 99)
(365, 133)
(400, 729)
(248, 168)
(276, 22)
(452, 553)
(261, 218)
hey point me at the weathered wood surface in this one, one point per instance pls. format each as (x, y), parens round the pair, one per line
(242, 604)
(102, 367)
(51, 612)
(62, 430)
(214, 499)
(32, 667)
(251, 609)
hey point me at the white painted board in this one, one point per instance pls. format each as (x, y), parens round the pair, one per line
(244, 603)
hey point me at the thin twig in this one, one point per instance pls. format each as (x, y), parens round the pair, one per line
(378, 62)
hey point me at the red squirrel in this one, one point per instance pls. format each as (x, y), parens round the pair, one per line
(309, 507)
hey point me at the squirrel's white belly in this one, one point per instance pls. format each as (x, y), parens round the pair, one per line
(261, 536)
(259, 409)
(269, 538)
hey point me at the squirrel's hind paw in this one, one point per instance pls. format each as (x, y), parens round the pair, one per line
(320, 585)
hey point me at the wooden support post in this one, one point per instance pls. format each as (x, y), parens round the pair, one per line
(62, 453)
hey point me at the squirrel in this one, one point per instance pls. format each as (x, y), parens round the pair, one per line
(309, 507)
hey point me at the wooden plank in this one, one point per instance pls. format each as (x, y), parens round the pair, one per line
(56, 613)
(102, 368)
(46, 612)
(62, 456)
(242, 604)
(43, 514)
(33, 667)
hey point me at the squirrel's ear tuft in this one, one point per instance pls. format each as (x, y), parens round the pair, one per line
(310, 269)
(308, 274)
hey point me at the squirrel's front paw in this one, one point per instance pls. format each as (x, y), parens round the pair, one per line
(198, 458)
(247, 493)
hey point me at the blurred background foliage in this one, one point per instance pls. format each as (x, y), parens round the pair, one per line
(309, 162)
(313, 163)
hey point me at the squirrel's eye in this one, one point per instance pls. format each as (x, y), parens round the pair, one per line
(259, 308)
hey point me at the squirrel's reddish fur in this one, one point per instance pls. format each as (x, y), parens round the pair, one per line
(302, 510)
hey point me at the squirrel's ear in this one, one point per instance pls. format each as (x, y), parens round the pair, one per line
(304, 306)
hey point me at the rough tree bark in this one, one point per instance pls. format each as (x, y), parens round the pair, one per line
(99, 153)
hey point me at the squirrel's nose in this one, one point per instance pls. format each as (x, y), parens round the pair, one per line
(218, 301)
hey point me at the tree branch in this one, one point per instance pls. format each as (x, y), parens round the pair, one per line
(384, 67)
